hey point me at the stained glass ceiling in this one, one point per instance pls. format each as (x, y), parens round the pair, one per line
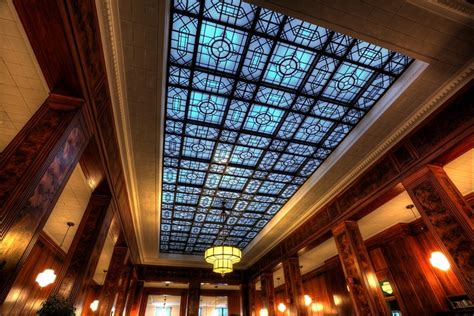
(256, 101)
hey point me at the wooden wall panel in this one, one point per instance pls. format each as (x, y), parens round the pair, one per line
(327, 287)
(25, 296)
(402, 252)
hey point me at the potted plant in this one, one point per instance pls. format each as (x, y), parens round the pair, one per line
(56, 305)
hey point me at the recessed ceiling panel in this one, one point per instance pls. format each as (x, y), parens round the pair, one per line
(256, 101)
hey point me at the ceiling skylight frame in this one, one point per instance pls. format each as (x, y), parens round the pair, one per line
(186, 242)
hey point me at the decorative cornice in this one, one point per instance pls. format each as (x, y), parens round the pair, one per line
(460, 11)
(111, 41)
(429, 106)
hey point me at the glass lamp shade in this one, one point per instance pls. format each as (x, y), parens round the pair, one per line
(282, 307)
(439, 261)
(94, 305)
(222, 258)
(46, 277)
(263, 312)
(307, 300)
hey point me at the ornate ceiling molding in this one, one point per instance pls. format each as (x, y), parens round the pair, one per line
(108, 17)
(457, 10)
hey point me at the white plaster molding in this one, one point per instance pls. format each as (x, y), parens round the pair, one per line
(459, 11)
(109, 22)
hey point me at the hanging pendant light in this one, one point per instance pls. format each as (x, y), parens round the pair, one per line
(48, 276)
(222, 257)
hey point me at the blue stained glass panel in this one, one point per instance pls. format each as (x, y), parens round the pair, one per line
(220, 47)
(288, 65)
(263, 119)
(255, 103)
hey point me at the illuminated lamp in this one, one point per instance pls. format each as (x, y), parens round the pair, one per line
(281, 307)
(94, 305)
(222, 258)
(48, 276)
(307, 300)
(439, 261)
(263, 312)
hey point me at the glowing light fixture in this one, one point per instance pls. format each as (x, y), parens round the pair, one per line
(94, 305)
(282, 307)
(439, 261)
(307, 300)
(337, 300)
(386, 287)
(317, 307)
(48, 276)
(263, 312)
(223, 257)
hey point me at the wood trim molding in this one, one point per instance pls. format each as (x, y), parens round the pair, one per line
(184, 275)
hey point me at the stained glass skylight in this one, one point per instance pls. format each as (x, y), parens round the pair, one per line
(256, 101)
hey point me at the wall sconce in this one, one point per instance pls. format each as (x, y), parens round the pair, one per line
(439, 261)
(386, 288)
(263, 312)
(281, 307)
(337, 300)
(94, 305)
(46, 277)
(317, 307)
(307, 300)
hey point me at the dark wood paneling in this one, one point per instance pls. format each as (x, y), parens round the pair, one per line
(184, 275)
(110, 288)
(194, 293)
(83, 255)
(65, 37)
(50, 43)
(268, 293)
(294, 286)
(448, 216)
(327, 287)
(42, 174)
(26, 295)
(139, 294)
(402, 254)
(92, 294)
(123, 288)
(365, 293)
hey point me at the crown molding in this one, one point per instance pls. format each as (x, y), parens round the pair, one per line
(108, 16)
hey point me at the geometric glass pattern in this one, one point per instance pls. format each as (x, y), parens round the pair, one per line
(255, 102)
